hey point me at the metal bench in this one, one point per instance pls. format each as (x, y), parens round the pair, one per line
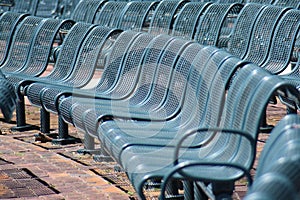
(79, 75)
(47, 8)
(134, 15)
(109, 14)
(62, 68)
(142, 87)
(164, 16)
(239, 39)
(287, 3)
(8, 25)
(28, 55)
(229, 151)
(277, 174)
(85, 11)
(186, 22)
(216, 23)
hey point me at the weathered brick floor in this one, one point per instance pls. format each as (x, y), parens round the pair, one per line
(31, 169)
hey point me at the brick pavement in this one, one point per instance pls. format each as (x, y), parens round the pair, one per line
(30, 169)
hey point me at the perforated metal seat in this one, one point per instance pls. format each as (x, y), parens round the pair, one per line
(117, 134)
(216, 23)
(40, 49)
(263, 33)
(81, 74)
(85, 11)
(277, 174)
(283, 48)
(266, 2)
(36, 62)
(24, 6)
(21, 44)
(47, 8)
(164, 16)
(109, 15)
(242, 31)
(186, 22)
(8, 26)
(83, 70)
(222, 157)
(134, 15)
(120, 76)
(61, 69)
(286, 3)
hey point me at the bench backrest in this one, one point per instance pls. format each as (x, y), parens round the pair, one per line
(213, 22)
(21, 43)
(262, 34)
(86, 10)
(134, 15)
(110, 13)
(283, 50)
(186, 22)
(8, 25)
(164, 16)
(42, 44)
(242, 31)
(277, 175)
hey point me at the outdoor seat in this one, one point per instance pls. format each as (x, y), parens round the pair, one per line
(277, 175)
(42, 94)
(61, 69)
(36, 61)
(210, 72)
(265, 2)
(263, 35)
(186, 22)
(85, 11)
(164, 16)
(29, 51)
(8, 25)
(47, 8)
(146, 94)
(109, 14)
(287, 3)
(118, 80)
(229, 151)
(21, 43)
(239, 39)
(135, 13)
(216, 24)
(282, 53)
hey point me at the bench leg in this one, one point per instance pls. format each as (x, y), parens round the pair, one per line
(89, 146)
(21, 117)
(199, 193)
(63, 134)
(188, 190)
(102, 156)
(45, 121)
(223, 190)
